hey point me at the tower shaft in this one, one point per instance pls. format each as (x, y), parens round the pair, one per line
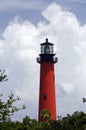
(47, 98)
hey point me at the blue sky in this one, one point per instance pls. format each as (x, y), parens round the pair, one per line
(24, 24)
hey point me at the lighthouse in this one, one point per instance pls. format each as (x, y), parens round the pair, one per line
(47, 98)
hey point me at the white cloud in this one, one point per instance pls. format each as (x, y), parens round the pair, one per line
(68, 87)
(20, 47)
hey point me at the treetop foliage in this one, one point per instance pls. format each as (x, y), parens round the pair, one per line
(76, 121)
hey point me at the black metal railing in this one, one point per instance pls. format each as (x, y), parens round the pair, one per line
(47, 59)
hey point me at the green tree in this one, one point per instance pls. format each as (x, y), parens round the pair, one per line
(76, 121)
(45, 115)
(31, 123)
(7, 108)
(26, 120)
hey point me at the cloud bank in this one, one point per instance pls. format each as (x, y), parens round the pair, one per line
(19, 47)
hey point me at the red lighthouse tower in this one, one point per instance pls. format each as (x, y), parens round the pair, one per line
(47, 98)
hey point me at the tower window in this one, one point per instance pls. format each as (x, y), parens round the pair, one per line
(45, 96)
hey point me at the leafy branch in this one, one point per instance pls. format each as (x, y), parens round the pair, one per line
(84, 100)
(3, 77)
(7, 108)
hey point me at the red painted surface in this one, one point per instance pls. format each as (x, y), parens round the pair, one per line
(47, 89)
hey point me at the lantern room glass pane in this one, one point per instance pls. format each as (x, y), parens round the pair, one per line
(51, 49)
(42, 49)
(46, 49)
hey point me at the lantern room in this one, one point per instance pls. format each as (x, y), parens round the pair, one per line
(46, 48)
(47, 53)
